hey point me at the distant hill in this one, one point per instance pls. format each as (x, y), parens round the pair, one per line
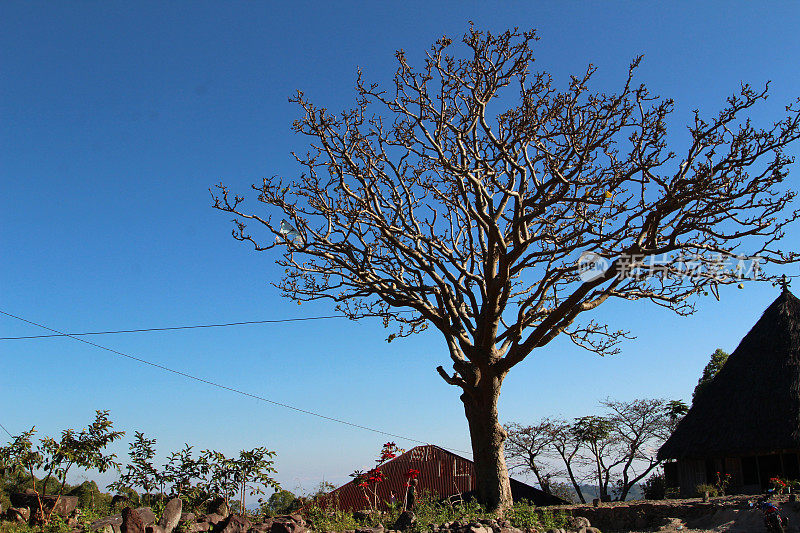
(591, 492)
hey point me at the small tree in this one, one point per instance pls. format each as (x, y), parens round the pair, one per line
(527, 446)
(370, 479)
(219, 474)
(638, 427)
(181, 470)
(140, 471)
(252, 469)
(596, 434)
(718, 359)
(84, 449)
(567, 447)
(281, 502)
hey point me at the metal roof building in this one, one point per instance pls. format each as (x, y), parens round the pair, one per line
(440, 472)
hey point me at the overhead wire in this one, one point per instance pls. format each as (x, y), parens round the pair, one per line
(172, 328)
(219, 385)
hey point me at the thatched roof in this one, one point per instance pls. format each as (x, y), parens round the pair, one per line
(753, 404)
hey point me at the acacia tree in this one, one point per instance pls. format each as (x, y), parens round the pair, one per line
(567, 447)
(528, 446)
(470, 210)
(640, 426)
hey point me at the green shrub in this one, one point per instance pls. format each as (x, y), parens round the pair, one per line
(702, 488)
(324, 518)
(654, 488)
(89, 496)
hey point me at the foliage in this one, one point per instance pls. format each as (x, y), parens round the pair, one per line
(780, 485)
(718, 359)
(252, 470)
(140, 471)
(89, 496)
(430, 510)
(711, 489)
(369, 480)
(471, 209)
(281, 502)
(722, 482)
(329, 517)
(84, 449)
(639, 427)
(181, 469)
(655, 487)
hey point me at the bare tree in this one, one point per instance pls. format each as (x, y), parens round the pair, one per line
(528, 446)
(638, 427)
(440, 198)
(568, 448)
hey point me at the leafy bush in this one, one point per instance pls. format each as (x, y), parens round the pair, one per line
(654, 488)
(524, 515)
(429, 510)
(550, 520)
(328, 518)
(702, 488)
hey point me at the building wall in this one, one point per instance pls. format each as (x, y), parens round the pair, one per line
(750, 474)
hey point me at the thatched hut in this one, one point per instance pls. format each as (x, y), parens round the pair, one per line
(746, 422)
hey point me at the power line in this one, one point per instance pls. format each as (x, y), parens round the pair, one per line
(7, 431)
(219, 385)
(249, 322)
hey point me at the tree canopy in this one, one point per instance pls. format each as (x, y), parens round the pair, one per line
(471, 193)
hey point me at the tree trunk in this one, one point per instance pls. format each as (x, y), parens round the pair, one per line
(488, 436)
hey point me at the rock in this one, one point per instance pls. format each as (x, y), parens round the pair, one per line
(72, 522)
(577, 523)
(111, 521)
(154, 528)
(263, 527)
(406, 520)
(187, 518)
(218, 506)
(199, 526)
(108, 528)
(147, 515)
(62, 506)
(298, 518)
(213, 518)
(131, 521)
(378, 529)
(233, 524)
(284, 524)
(21, 514)
(171, 515)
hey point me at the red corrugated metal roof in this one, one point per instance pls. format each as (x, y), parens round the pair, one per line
(441, 472)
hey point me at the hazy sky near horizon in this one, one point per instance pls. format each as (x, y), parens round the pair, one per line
(116, 118)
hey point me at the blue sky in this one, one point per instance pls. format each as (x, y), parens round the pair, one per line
(116, 118)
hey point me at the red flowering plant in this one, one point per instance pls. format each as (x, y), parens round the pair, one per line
(369, 480)
(412, 473)
(722, 483)
(778, 484)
